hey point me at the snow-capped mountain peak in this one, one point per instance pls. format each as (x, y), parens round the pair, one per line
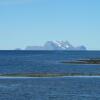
(63, 44)
(56, 45)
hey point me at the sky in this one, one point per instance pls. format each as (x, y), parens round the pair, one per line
(33, 22)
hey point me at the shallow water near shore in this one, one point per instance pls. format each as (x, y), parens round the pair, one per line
(62, 88)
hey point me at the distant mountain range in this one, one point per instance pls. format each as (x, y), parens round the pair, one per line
(56, 45)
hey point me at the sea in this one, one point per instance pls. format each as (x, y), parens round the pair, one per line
(48, 88)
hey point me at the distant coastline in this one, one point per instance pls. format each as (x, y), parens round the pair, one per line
(48, 75)
(55, 45)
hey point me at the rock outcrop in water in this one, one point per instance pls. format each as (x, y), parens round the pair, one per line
(84, 61)
(56, 45)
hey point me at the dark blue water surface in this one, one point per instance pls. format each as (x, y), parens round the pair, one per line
(68, 88)
(62, 88)
(46, 61)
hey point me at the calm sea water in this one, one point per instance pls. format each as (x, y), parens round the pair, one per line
(46, 61)
(69, 88)
(62, 88)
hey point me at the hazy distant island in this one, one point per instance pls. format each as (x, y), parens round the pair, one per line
(55, 45)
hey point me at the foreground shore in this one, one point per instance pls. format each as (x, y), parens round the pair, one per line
(46, 75)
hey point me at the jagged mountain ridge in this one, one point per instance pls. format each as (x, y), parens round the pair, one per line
(56, 45)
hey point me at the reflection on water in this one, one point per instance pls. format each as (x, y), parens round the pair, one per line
(68, 88)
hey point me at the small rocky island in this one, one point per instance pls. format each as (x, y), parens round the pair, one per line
(83, 61)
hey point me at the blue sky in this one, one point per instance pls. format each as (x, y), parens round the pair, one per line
(32, 22)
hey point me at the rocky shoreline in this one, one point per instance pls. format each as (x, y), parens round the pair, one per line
(83, 61)
(48, 74)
